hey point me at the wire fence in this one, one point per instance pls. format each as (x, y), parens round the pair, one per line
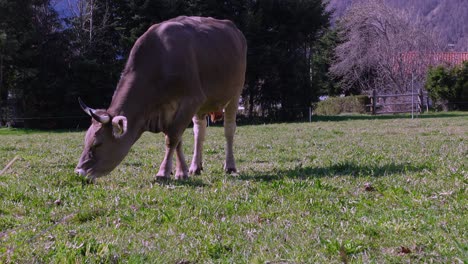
(48, 122)
(80, 122)
(380, 105)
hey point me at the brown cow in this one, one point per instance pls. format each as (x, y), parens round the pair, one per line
(177, 71)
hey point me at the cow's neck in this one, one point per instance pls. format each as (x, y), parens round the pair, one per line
(128, 101)
(141, 106)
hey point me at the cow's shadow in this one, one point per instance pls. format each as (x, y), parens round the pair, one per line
(304, 172)
(192, 181)
(334, 170)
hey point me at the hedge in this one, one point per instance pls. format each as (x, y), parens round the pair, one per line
(338, 105)
(448, 86)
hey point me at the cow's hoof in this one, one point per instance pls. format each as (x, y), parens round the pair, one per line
(181, 176)
(196, 171)
(162, 178)
(164, 174)
(230, 170)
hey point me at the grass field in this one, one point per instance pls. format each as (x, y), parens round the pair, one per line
(351, 190)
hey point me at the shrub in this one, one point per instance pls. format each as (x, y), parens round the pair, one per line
(338, 105)
(448, 87)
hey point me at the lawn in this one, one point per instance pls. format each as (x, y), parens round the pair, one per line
(352, 189)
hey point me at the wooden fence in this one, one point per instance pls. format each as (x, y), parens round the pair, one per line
(398, 103)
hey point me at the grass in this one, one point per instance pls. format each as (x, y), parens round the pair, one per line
(343, 190)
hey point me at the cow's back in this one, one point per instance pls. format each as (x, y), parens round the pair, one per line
(201, 50)
(197, 57)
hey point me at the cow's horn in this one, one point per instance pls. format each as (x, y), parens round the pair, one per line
(92, 112)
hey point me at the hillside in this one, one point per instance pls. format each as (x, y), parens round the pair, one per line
(449, 18)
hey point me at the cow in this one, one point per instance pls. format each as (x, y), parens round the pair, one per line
(178, 71)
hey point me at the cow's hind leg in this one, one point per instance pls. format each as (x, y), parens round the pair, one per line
(229, 130)
(199, 131)
(181, 166)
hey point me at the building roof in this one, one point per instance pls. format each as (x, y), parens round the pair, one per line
(421, 61)
(452, 58)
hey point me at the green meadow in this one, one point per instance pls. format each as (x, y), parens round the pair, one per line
(347, 189)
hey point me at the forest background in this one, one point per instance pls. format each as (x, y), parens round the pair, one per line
(52, 52)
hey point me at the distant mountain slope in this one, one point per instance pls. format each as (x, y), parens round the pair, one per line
(449, 18)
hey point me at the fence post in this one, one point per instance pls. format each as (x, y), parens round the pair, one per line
(374, 101)
(310, 114)
(420, 100)
(427, 102)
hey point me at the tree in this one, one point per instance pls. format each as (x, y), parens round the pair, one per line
(281, 35)
(95, 44)
(322, 58)
(33, 56)
(47, 62)
(445, 17)
(382, 49)
(14, 30)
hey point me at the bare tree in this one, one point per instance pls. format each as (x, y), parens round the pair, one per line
(85, 24)
(447, 17)
(383, 48)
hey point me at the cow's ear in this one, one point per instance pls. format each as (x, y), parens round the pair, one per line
(119, 126)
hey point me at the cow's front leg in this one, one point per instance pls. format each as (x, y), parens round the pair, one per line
(181, 166)
(180, 121)
(166, 166)
(199, 131)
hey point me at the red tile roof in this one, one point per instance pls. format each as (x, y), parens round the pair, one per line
(421, 61)
(437, 58)
(452, 58)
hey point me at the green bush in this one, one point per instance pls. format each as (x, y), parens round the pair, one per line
(338, 105)
(448, 86)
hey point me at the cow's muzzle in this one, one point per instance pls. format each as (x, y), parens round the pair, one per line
(89, 179)
(80, 172)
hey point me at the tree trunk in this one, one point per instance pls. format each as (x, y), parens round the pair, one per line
(1, 90)
(1, 77)
(91, 7)
(251, 102)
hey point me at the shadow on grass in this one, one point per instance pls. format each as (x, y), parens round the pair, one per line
(336, 170)
(190, 182)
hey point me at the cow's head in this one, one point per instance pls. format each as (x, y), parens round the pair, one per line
(106, 143)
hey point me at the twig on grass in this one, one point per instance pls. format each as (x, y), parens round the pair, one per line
(9, 165)
(63, 220)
